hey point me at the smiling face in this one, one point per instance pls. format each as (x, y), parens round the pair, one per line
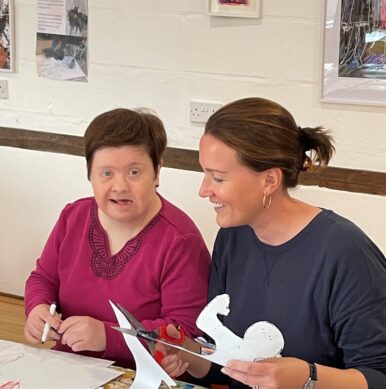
(124, 182)
(235, 190)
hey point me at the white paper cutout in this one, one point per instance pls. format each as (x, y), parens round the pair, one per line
(149, 374)
(261, 340)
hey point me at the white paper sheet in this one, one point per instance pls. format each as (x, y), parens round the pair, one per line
(47, 369)
(149, 374)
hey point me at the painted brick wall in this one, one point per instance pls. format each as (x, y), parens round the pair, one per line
(162, 54)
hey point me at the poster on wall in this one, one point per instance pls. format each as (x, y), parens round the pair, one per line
(7, 39)
(61, 42)
(354, 70)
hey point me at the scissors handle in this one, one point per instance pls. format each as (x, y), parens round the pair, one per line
(159, 355)
(164, 334)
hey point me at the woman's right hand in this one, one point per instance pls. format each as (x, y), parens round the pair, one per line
(172, 362)
(178, 362)
(34, 325)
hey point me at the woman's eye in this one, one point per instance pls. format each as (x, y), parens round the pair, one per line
(216, 179)
(134, 172)
(106, 173)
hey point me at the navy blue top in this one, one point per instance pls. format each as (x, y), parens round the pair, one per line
(325, 289)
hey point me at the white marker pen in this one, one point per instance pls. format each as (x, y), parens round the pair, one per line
(47, 326)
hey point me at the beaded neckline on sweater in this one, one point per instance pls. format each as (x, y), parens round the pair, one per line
(103, 264)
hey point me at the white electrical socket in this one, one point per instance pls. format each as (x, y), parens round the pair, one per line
(200, 111)
(3, 89)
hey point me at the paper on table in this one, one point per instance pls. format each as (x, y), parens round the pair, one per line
(47, 369)
(15, 347)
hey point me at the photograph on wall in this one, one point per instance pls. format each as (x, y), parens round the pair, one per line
(235, 8)
(354, 58)
(61, 43)
(7, 40)
(362, 47)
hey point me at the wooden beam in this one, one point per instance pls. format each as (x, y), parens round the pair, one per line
(11, 296)
(350, 180)
(41, 141)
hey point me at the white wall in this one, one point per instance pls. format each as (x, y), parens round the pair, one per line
(162, 54)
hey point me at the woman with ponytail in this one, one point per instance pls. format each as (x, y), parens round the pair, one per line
(312, 273)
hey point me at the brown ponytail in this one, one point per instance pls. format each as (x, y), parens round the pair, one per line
(318, 140)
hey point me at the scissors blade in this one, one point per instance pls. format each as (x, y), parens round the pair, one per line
(133, 332)
(138, 334)
(132, 320)
(129, 331)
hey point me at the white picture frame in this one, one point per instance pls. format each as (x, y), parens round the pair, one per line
(7, 36)
(235, 8)
(347, 76)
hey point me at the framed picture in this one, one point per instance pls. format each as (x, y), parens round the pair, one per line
(235, 8)
(354, 63)
(7, 39)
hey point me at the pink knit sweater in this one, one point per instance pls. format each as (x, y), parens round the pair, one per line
(160, 276)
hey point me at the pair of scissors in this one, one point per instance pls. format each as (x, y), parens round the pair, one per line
(150, 337)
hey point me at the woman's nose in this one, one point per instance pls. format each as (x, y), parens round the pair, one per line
(204, 189)
(120, 184)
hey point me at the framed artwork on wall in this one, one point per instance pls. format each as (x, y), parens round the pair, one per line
(354, 63)
(235, 8)
(7, 39)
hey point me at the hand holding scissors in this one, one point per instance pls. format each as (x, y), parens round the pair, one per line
(150, 337)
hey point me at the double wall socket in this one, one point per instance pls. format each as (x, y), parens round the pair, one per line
(3, 89)
(200, 111)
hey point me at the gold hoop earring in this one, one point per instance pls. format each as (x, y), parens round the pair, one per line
(267, 204)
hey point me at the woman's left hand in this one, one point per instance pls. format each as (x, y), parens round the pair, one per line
(273, 373)
(83, 333)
